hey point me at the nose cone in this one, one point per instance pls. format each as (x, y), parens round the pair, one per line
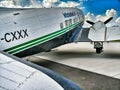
(98, 25)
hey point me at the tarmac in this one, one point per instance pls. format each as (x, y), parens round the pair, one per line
(80, 63)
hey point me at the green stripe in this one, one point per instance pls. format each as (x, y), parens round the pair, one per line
(29, 44)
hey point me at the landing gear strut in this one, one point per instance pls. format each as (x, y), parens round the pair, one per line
(98, 46)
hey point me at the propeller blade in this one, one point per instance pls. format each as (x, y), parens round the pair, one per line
(107, 21)
(90, 22)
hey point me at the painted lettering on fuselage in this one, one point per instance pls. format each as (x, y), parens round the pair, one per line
(70, 14)
(16, 35)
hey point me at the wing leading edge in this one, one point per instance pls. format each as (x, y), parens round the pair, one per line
(17, 74)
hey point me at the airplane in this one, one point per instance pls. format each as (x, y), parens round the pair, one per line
(100, 33)
(27, 31)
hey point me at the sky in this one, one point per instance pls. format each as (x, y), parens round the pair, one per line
(93, 6)
(100, 6)
(93, 9)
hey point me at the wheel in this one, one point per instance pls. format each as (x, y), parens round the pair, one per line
(48, 50)
(98, 50)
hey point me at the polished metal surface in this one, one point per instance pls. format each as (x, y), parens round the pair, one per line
(15, 75)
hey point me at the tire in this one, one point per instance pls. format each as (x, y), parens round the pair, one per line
(98, 50)
(48, 50)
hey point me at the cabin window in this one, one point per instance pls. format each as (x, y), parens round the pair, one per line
(79, 18)
(66, 23)
(70, 21)
(74, 20)
(61, 25)
(16, 14)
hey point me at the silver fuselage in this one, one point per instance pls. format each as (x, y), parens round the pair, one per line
(21, 29)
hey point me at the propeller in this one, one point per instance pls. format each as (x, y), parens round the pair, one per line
(108, 20)
(98, 30)
(90, 22)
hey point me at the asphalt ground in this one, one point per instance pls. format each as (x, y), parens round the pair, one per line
(79, 63)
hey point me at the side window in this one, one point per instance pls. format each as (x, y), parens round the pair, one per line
(74, 20)
(66, 23)
(61, 25)
(79, 18)
(70, 21)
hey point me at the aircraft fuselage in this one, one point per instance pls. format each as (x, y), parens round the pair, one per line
(29, 31)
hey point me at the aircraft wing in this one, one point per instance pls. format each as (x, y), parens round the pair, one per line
(89, 34)
(113, 33)
(15, 75)
(107, 34)
(18, 74)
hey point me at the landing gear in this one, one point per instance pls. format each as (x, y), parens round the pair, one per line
(48, 50)
(98, 50)
(98, 46)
